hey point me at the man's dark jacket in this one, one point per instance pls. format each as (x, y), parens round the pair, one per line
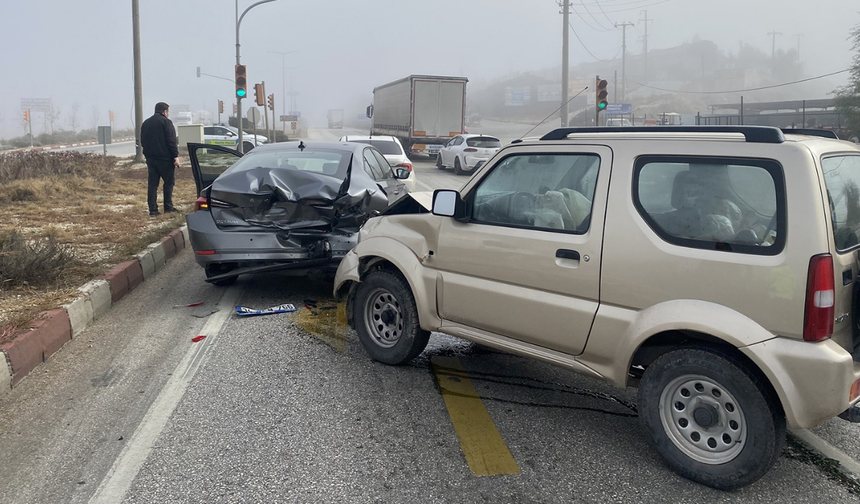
(158, 138)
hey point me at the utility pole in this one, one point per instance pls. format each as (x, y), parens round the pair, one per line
(264, 112)
(773, 34)
(565, 56)
(138, 87)
(645, 46)
(623, 58)
(798, 35)
(283, 85)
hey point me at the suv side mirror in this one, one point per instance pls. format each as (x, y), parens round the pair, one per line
(401, 174)
(448, 203)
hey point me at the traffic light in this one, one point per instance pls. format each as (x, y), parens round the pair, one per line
(601, 94)
(259, 97)
(272, 101)
(241, 82)
(27, 115)
(220, 106)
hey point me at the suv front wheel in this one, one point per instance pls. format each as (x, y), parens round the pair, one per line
(710, 417)
(386, 318)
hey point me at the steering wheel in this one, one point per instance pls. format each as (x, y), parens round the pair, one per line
(521, 202)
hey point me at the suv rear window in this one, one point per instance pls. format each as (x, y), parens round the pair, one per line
(484, 142)
(385, 146)
(842, 179)
(732, 205)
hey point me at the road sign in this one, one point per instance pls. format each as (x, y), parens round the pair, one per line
(289, 118)
(254, 115)
(619, 108)
(293, 125)
(295, 113)
(41, 104)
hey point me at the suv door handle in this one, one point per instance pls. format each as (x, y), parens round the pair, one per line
(567, 254)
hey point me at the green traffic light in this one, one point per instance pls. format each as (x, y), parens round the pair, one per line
(601, 105)
(241, 93)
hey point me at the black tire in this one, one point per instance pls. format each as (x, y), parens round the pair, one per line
(439, 161)
(734, 434)
(457, 169)
(386, 318)
(219, 269)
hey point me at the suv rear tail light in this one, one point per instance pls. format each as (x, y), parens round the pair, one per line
(201, 204)
(407, 166)
(820, 299)
(470, 149)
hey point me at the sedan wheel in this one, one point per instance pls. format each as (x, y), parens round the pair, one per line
(439, 161)
(458, 170)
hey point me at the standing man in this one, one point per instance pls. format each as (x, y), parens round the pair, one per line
(158, 140)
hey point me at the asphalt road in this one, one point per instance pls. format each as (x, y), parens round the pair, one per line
(288, 408)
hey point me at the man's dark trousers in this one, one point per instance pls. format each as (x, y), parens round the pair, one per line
(160, 169)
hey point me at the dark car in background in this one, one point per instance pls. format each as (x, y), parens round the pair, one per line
(284, 206)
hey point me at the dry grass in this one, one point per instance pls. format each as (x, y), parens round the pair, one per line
(90, 206)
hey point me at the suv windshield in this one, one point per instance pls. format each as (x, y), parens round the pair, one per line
(842, 179)
(484, 142)
(324, 162)
(385, 146)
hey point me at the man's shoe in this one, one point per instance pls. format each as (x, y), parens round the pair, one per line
(171, 210)
(153, 214)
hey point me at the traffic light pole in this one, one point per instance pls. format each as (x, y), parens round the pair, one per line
(239, 62)
(264, 109)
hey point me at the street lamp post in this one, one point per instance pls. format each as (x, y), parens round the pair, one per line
(239, 62)
(284, 82)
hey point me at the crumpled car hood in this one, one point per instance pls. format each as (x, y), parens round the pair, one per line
(290, 199)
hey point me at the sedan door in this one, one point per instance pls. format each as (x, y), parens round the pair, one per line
(525, 262)
(209, 161)
(376, 164)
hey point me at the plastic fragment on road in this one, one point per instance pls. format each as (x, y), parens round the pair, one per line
(191, 305)
(198, 338)
(243, 311)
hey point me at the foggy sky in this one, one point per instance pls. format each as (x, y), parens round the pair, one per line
(81, 50)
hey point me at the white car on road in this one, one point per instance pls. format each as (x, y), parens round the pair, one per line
(392, 151)
(465, 153)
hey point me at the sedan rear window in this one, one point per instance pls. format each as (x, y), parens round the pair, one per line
(484, 142)
(325, 162)
(842, 179)
(384, 146)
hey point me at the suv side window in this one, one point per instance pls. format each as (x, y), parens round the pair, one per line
(546, 191)
(371, 165)
(842, 179)
(727, 204)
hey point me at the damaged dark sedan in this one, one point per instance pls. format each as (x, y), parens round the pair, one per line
(282, 206)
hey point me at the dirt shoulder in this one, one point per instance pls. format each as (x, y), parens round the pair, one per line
(96, 213)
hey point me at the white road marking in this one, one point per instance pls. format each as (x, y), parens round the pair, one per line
(828, 450)
(125, 468)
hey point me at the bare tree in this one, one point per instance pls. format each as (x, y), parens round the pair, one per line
(72, 119)
(96, 115)
(52, 116)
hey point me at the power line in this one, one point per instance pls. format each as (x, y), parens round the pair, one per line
(595, 18)
(636, 7)
(586, 48)
(742, 90)
(603, 11)
(586, 22)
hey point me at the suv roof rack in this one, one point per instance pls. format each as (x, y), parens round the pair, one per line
(755, 134)
(811, 132)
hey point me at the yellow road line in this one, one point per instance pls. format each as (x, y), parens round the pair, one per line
(483, 447)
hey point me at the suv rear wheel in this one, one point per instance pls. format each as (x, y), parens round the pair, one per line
(710, 418)
(386, 318)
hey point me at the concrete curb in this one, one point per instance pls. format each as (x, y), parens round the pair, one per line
(52, 329)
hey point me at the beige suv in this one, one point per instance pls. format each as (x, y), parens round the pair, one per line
(712, 267)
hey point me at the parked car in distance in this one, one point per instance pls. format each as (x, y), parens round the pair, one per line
(465, 153)
(391, 149)
(220, 134)
(285, 205)
(714, 268)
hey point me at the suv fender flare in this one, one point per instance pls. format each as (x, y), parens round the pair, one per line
(421, 280)
(612, 355)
